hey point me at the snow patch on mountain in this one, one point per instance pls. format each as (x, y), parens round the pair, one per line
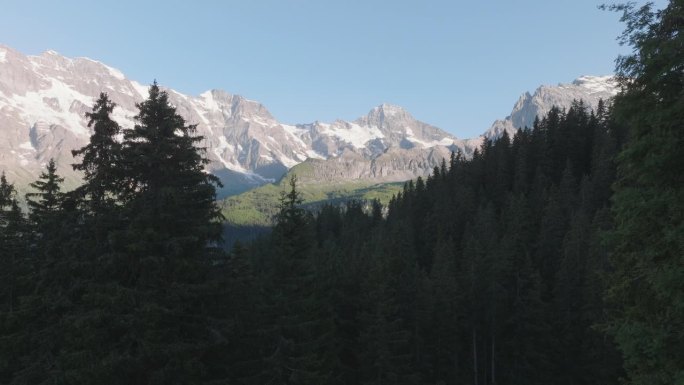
(352, 133)
(598, 84)
(221, 150)
(115, 72)
(27, 146)
(123, 117)
(44, 99)
(311, 154)
(296, 133)
(588, 89)
(207, 100)
(142, 90)
(34, 106)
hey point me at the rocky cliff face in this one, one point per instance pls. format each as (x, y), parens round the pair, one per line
(393, 165)
(43, 101)
(589, 89)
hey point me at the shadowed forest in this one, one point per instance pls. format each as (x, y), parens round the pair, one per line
(551, 257)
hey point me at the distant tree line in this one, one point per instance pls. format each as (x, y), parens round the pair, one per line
(553, 256)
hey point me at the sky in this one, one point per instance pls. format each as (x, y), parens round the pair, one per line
(458, 65)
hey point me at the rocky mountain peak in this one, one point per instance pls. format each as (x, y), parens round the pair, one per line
(238, 105)
(386, 115)
(589, 89)
(390, 110)
(44, 98)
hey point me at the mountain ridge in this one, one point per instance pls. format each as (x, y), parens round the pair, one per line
(44, 98)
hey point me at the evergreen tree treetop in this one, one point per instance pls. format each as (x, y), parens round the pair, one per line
(100, 158)
(48, 198)
(161, 146)
(7, 191)
(169, 195)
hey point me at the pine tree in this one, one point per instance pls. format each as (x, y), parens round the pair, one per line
(13, 266)
(290, 233)
(477, 277)
(647, 285)
(34, 334)
(101, 167)
(151, 312)
(386, 337)
(168, 195)
(13, 246)
(568, 302)
(446, 316)
(299, 348)
(45, 203)
(101, 156)
(524, 327)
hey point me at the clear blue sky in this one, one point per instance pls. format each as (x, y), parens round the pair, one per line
(455, 64)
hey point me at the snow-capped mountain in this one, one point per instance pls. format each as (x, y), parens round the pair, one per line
(44, 98)
(589, 89)
(43, 101)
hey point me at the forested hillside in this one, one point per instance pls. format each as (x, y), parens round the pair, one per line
(550, 257)
(490, 271)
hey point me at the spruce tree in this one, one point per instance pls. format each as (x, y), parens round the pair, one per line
(13, 266)
(168, 196)
(152, 312)
(34, 334)
(100, 158)
(647, 284)
(13, 247)
(446, 316)
(300, 351)
(45, 203)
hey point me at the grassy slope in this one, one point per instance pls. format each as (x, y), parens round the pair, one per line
(258, 206)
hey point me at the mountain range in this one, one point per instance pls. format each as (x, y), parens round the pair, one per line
(44, 98)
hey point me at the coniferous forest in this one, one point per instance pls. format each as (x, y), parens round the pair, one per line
(551, 257)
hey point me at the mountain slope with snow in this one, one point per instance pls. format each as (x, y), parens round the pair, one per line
(589, 89)
(44, 98)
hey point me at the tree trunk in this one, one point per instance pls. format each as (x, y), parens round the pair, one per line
(493, 366)
(474, 357)
(484, 362)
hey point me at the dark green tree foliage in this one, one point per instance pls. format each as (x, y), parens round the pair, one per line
(123, 286)
(647, 284)
(486, 272)
(154, 280)
(102, 178)
(440, 329)
(14, 266)
(13, 246)
(299, 316)
(101, 158)
(167, 196)
(45, 203)
(483, 273)
(490, 271)
(31, 332)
